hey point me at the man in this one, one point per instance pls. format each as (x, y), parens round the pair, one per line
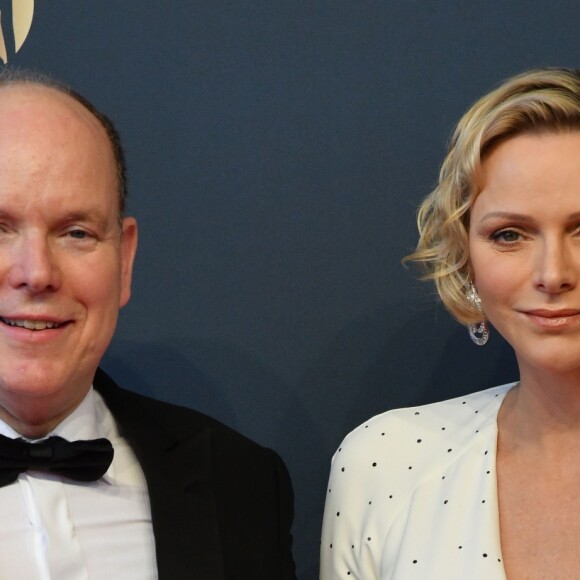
(184, 496)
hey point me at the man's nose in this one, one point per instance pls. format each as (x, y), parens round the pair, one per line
(33, 265)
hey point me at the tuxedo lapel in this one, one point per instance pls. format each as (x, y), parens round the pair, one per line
(180, 486)
(183, 508)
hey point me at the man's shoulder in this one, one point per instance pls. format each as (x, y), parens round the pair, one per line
(202, 473)
(130, 407)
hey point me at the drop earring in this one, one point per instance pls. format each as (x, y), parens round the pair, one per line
(478, 331)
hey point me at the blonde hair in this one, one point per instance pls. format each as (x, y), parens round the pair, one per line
(544, 100)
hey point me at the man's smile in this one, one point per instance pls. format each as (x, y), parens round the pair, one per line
(31, 324)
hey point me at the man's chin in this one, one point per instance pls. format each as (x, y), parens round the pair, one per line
(31, 403)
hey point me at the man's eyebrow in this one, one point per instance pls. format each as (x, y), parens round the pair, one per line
(85, 216)
(93, 215)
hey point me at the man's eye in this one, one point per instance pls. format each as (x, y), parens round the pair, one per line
(78, 234)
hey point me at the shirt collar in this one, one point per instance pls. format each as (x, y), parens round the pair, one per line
(81, 423)
(92, 420)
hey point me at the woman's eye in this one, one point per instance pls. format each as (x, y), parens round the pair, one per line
(506, 236)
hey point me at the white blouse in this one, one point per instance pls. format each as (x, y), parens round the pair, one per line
(413, 495)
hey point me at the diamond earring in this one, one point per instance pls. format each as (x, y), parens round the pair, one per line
(478, 331)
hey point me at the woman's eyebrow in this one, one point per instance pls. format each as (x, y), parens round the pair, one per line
(520, 217)
(506, 215)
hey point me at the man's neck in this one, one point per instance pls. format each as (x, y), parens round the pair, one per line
(33, 419)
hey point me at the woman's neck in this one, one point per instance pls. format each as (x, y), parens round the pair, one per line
(543, 410)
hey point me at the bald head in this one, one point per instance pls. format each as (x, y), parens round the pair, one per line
(46, 132)
(11, 79)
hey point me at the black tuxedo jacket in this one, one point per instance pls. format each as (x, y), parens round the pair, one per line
(221, 505)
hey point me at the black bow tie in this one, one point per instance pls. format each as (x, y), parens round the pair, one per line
(78, 460)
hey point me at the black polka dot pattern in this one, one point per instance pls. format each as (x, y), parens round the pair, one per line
(411, 470)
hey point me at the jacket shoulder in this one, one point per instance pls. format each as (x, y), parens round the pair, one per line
(132, 408)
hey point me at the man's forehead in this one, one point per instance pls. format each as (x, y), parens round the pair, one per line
(45, 134)
(44, 121)
(32, 102)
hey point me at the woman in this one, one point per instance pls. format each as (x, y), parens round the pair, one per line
(486, 486)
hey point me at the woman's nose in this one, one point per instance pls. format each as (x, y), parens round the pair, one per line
(556, 269)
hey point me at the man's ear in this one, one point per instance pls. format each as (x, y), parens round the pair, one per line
(128, 250)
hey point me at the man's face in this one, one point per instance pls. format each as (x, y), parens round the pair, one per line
(65, 261)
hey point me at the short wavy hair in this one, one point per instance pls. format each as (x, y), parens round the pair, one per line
(538, 101)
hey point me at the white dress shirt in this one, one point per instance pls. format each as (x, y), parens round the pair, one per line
(413, 495)
(53, 528)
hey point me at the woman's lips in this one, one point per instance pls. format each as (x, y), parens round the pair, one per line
(554, 318)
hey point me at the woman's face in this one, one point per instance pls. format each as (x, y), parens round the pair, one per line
(524, 244)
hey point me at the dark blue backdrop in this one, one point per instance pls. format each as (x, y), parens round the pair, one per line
(277, 152)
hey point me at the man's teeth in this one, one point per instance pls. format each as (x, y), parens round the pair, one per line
(31, 324)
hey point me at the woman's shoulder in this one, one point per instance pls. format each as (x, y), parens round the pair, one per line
(392, 475)
(451, 423)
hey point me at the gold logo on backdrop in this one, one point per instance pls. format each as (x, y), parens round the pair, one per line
(22, 13)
